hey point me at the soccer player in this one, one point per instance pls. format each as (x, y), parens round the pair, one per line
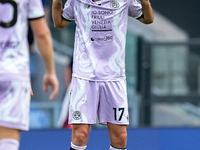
(15, 90)
(98, 82)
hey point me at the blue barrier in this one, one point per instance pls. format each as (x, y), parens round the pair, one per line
(138, 139)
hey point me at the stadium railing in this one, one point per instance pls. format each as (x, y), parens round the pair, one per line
(168, 81)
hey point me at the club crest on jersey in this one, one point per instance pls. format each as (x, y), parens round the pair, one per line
(77, 115)
(114, 4)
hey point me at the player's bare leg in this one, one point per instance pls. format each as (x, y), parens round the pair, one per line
(118, 135)
(80, 134)
(9, 133)
(9, 138)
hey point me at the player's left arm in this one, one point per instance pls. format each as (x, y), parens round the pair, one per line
(147, 16)
(57, 11)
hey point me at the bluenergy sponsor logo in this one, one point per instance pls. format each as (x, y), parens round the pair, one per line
(107, 38)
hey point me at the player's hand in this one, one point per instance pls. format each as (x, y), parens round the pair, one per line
(50, 79)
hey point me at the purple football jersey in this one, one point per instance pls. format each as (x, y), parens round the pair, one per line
(99, 49)
(14, 53)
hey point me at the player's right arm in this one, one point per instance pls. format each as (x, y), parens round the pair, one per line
(147, 17)
(57, 11)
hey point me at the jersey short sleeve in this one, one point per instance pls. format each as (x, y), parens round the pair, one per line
(68, 13)
(35, 9)
(135, 9)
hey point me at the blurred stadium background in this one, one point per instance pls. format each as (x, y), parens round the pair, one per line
(163, 79)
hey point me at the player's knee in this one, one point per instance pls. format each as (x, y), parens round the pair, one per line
(120, 140)
(80, 136)
(123, 138)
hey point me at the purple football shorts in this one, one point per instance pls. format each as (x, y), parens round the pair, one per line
(106, 100)
(15, 104)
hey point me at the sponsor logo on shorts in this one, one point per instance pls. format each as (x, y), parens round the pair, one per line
(127, 117)
(77, 115)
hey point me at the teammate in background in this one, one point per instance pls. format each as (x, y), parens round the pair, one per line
(99, 82)
(14, 66)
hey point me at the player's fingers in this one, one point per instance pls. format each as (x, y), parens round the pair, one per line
(45, 87)
(54, 92)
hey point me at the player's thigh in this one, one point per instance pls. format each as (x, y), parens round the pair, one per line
(9, 133)
(15, 104)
